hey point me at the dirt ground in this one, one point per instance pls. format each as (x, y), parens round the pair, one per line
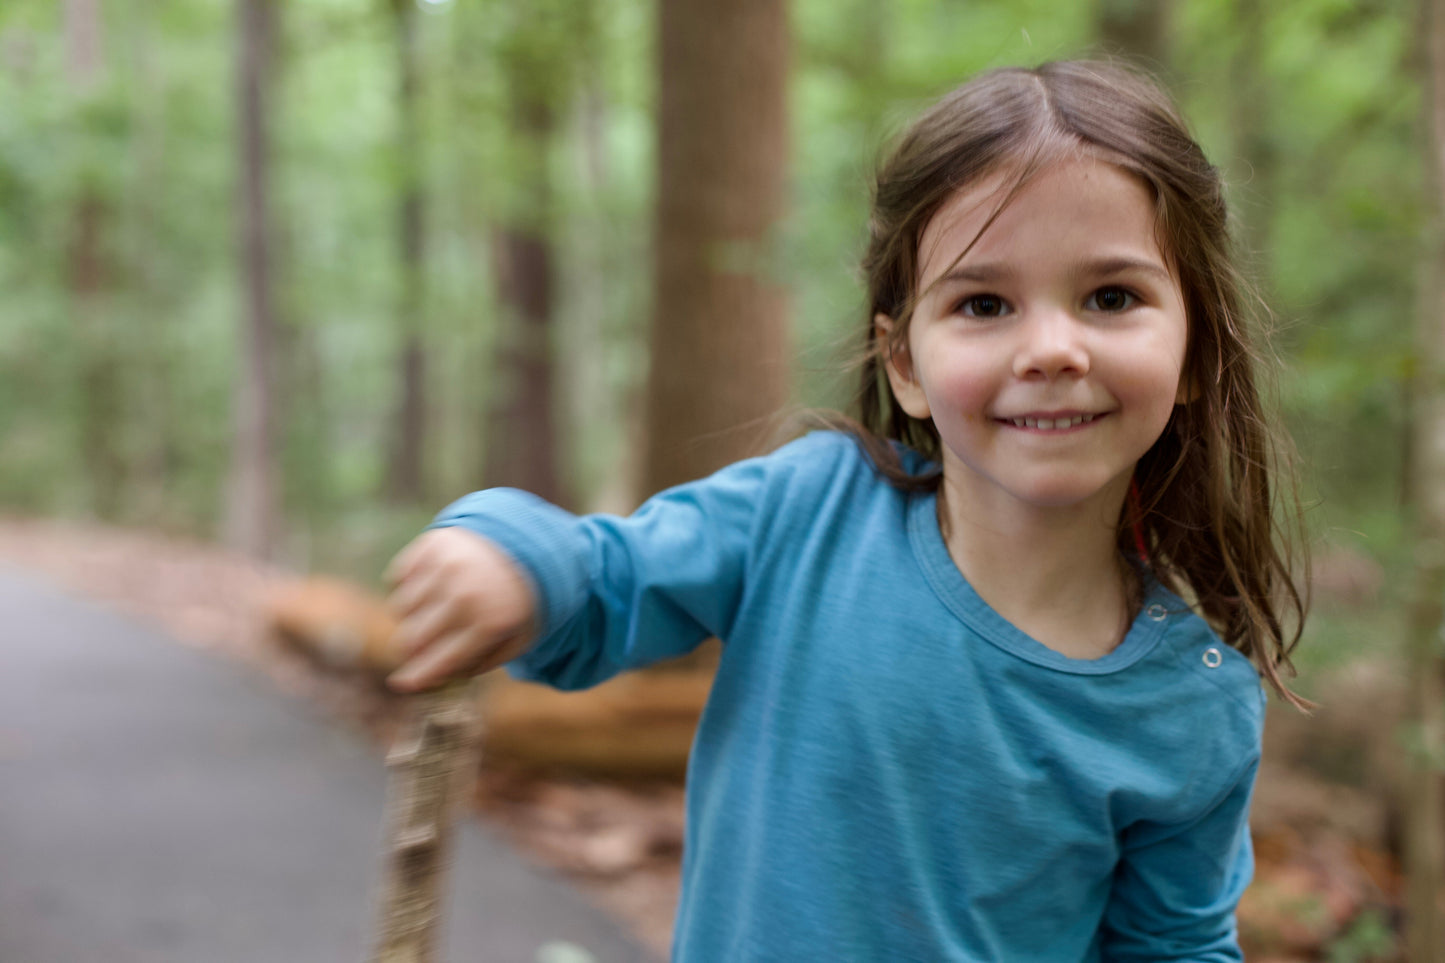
(620, 843)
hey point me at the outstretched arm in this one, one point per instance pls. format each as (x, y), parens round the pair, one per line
(506, 573)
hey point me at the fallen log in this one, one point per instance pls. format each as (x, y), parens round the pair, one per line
(640, 724)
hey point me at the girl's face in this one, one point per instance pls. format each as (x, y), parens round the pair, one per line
(1050, 356)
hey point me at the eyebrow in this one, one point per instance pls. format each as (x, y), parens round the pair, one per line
(1124, 265)
(989, 273)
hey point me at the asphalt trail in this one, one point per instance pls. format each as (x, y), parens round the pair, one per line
(159, 805)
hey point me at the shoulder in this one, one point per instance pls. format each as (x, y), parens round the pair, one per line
(783, 487)
(826, 451)
(817, 460)
(818, 448)
(1216, 684)
(821, 482)
(1196, 713)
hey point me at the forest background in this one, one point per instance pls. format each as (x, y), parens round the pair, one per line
(456, 203)
(124, 289)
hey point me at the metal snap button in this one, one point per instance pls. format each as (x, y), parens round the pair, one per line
(1156, 612)
(1212, 657)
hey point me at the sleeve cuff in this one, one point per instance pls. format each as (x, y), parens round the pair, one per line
(547, 542)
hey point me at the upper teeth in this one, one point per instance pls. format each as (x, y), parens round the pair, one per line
(1050, 423)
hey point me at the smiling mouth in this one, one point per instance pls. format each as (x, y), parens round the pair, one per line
(1061, 423)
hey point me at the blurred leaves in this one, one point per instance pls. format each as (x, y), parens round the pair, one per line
(1343, 197)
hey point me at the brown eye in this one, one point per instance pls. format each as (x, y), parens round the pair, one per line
(984, 306)
(1111, 300)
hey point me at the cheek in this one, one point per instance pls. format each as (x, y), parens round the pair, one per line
(959, 401)
(1153, 391)
(959, 388)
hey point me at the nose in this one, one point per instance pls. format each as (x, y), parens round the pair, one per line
(1051, 344)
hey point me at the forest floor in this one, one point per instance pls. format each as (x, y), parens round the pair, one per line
(620, 843)
(1325, 888)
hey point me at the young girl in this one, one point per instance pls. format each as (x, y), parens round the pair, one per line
(962, 711)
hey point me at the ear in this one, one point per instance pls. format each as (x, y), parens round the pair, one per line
(907, 390)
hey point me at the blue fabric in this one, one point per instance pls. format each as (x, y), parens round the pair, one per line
(886, 769)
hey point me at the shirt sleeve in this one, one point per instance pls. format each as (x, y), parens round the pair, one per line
(620, 593)
(1176, 887)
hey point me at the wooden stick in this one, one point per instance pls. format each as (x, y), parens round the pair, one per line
(431, 764)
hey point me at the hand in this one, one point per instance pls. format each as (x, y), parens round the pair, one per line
(464, 607)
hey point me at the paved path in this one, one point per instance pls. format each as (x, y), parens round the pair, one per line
(158, 805)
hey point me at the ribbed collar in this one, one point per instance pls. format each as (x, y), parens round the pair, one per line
(1160, 608)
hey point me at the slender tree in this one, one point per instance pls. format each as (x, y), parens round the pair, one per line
(1137, 29)
(90, 280)
(1249, 103)
(720, 346)
(83, 30)
(1425, 844)
(405, 480)
(152, 384)
(522, 423)
(521, 436)
(252, 506)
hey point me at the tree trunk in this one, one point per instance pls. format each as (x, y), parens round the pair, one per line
(720, 352)
(252, 503)
(83, 31)
(406, 477)
(1137, 29)
(1425, 841)
(1249, 105)
(99, 375)
(157, 449)
(521, 438)
(90, 278)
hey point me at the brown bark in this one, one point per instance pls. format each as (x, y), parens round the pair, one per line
(87, 271)
(720, 350)
(1425, 839)
(158, 449)
(429, 770)
(90, 279)
(100, 377)
(1136, 29)
(252, 501)
(1249, 105)
(83, 31)
(522, 434)
(406, 476)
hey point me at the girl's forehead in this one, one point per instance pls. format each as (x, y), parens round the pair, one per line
(1079, 201)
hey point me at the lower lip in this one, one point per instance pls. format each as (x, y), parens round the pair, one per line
(1036, 430)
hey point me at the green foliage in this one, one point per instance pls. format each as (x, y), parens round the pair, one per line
(1369, 938)
(1331, 188)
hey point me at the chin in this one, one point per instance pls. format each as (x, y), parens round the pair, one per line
(1060, 493)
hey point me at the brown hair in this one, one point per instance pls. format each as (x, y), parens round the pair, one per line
(1207, 510)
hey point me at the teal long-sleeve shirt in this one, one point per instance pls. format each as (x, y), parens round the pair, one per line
(886, 769)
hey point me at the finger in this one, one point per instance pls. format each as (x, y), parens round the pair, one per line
(400, 566)
(413, 592)
(447, 657)
(407, 560)
(424, 627)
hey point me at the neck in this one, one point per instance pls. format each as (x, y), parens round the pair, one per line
(1056, 574)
